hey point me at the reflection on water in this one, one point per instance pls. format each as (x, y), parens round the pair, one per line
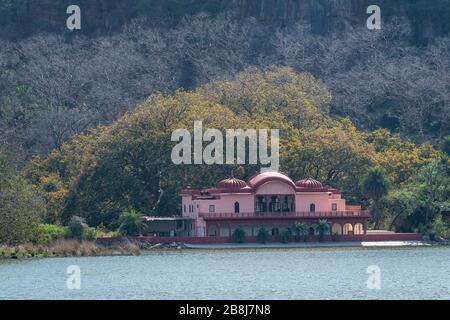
(409, 273)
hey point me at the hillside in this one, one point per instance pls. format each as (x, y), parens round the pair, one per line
(23, 18)
(55, 83)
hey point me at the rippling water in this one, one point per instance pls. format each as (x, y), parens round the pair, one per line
(410, 273)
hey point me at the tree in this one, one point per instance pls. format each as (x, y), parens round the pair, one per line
(301, 231)
(440, 229)
(238, 235)
(375, 185)
(401, 158)
(322, 228)
(77, 227)
(127, 164)
(132, 223)
(446, 145)
(399, 205)
(285, 235)
(263, 235)
(308, 154)
(432, 189)
(21, 207)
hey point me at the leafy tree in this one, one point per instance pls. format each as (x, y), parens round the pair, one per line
(307, 155)
(301, 231)
(127, 164)
(419, 205)
(238, 235)
(47, 233)
(440, 228)
(432, 188)
(401, 158)
(375, 185)
(21, 207)
(77, 226)
(399, 205)
(263, 235)
(446, 145)
(285, 235)
(322, 228)
(131, 223)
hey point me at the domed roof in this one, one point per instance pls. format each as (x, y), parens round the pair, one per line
(267, 176)
(231, 184)
(309, 183)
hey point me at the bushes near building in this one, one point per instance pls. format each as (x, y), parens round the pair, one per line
(285, 235)
(131, 223)
(301, 231)
(263, 235)
(322, 228)
(79, 229)
(238, 235)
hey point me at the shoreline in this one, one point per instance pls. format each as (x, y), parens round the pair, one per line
(74, 248)
(307, 245)
(67, 248)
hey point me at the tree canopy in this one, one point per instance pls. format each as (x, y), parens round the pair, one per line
(127, 165)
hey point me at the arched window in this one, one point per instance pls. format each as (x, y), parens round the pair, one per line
(236, 207)
(261, 204)
(312, 207)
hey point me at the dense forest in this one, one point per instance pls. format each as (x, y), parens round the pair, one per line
(55, 83)
(85, 115)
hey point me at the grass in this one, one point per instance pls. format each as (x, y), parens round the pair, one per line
(66, 248)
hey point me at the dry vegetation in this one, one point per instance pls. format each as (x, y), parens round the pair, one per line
(67, 248)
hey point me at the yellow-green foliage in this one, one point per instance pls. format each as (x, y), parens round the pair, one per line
(124, 165)
(401, 158)
(21, 209)
(46, 233)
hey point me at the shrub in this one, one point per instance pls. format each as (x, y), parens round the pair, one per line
(285, 235)
(21, 208)
(238, 235)
(301, 231)
(322, 228)
(76, 227)
(89, 234)
(335, 237)
(46, 233)
(131, 223)
(263, 235)
(440, 229)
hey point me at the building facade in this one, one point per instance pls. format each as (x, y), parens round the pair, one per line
(269, 200)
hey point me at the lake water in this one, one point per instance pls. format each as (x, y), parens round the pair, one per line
(409, 273)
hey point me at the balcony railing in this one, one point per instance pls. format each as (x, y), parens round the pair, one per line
(306, 214)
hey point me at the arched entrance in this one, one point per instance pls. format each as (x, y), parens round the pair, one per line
(359, 229)
(336, 229)
(348, 229)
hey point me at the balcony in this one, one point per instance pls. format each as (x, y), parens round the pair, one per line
(288, 214)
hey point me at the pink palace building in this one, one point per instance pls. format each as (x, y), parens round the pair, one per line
(269, 200)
